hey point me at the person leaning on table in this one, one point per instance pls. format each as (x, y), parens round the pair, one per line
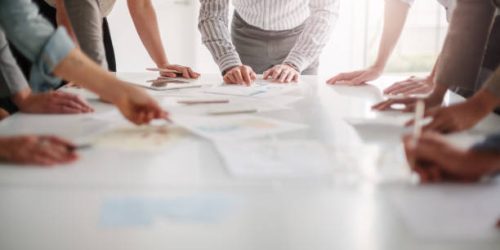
(395, 15)
(280, 38)
(462, 55)
(54, 55)
(85, 20)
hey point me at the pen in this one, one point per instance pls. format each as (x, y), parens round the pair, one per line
(79, 147)
(196, 102)
(233, 112)
(163, 70)
(417, 129)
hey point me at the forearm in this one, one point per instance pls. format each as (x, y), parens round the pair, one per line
(213, 26)
(316, 34)
(395, 15)
(146, 24)
(465, 43)
(77, 67)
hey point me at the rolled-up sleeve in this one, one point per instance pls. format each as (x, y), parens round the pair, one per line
(35, 38)
(316, 34)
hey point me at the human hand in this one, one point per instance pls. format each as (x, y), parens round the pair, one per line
(136, 105)
(39, 150)
(454, 118)
(282, 73)
(184, 71)
(240, 75)
(53, 102)
(356, 78)
(3, 114)
(412, 85)
(433, 100)
(435, 160)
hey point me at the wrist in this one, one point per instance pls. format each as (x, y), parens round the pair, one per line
(378, 66)
(485, 101)
(20, 97)
(293, 66)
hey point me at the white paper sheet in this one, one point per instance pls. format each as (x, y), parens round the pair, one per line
(260, 89)
(276, 159)
(453, 212)
(235, 127)
(133, 138)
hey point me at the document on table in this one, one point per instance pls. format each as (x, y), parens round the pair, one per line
(235, 127)
(259, 89)
(134, 138)
(175, 106)
(150, 81)
(123, 212)
(276, 159)
(454, 212)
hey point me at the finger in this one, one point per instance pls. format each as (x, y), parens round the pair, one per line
(185, 73)
(290, 77)
(383, 105)
(229, 78)
(168, 74)
(76, 103)
(60, 141)
(296, 77)
(358, 80)
(268, 73)
(276, 73)
(344, 77)
(39, 160)
(238, 77)
(284, 76)
(419, 90)
(246, 76)
(253, 75)
(394, 87)
(193, 74)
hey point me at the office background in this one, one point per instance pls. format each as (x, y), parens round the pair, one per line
(353, 45)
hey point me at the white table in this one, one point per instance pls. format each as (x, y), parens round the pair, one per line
(62, 207)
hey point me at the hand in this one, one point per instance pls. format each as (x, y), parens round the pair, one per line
(356, 78)
(54, 102)
(3, 114)
(282, 73)
(240, 75)
(434, 100)
(186, 72)
(137, 106)
(39, 150)
(454, 118)
(412, 85)
(434, 160)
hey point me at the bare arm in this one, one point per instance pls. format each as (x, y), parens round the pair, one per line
(395, 15)
(146, 24)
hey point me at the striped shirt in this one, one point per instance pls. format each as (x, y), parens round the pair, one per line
(319, 17)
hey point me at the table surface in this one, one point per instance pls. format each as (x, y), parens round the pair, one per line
(65, 207)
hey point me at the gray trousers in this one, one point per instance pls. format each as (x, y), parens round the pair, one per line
(262, 49)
